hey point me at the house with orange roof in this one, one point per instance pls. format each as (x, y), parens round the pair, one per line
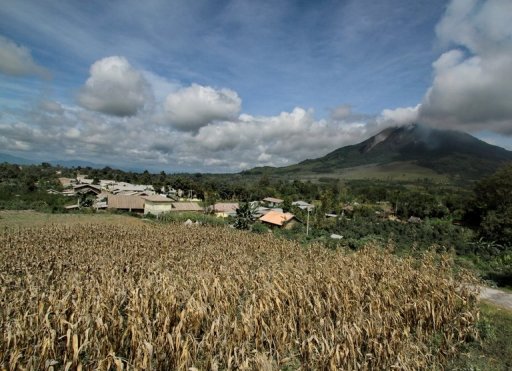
(278, 219)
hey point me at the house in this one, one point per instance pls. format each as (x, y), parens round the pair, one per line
(157, 204)
(106, 183)
(278, 219)
(127, 203)
(82, 179)
(123, 187)
(272, 202)
(260, 211)
(100, 205)
(87, 189)
(303, 205)
(69, 193)
(224, 209)
(186, 207)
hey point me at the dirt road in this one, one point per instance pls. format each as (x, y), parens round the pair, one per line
(495, 296)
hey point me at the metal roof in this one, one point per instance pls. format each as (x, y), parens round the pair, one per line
(125, 202)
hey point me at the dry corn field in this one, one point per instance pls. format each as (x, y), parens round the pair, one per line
(154, 297)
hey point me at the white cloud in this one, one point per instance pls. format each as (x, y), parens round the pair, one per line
(51, 106)
(195, 106)
(16, 60)
(230, 145)
(471, 89)
(160, 86)
(115, 88)
(399, 116)
(279, 140)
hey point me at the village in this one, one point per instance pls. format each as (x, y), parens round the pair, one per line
(145, 200)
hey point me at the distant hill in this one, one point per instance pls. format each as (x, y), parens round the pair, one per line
(14, 160)
(64, 163)
(77, 163)
(413, 150)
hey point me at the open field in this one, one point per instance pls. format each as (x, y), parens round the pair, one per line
(30, 218)
(172, 297)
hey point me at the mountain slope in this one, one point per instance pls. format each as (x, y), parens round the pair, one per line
(446, 152)
(14, 160)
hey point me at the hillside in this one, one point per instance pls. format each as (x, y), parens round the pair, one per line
(414, 150)
(14, 160)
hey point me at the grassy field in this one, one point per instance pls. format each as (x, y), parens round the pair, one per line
(494, 350)
(103, 292)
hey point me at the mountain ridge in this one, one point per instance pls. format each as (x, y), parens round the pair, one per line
(445, 152)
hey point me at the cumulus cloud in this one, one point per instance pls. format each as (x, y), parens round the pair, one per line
(398, 116)
(275, 140)
(195, 106)
(16, 60)
(115, 88)
(230, 145)
(471, 89)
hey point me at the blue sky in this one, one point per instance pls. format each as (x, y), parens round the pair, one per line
(228, 85)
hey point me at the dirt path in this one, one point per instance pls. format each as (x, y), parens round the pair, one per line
(497, 297)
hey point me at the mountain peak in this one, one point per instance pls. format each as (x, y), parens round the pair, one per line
(445, 152)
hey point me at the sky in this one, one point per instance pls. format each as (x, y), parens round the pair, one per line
(227, 85)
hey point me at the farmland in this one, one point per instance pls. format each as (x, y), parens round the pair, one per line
(115, 296)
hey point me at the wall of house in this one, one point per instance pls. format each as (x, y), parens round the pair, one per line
(157, 208)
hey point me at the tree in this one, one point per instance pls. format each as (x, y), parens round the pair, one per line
(145, 178)
(210, 199)
(287, 204)
(244, 216)
(491, 209)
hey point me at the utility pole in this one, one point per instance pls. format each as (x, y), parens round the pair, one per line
(307, 223)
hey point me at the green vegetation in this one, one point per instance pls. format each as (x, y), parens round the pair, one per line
(403, 153)
(26, 187)
(203, 219)
(492, 352)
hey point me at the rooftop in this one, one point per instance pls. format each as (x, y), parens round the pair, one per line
(274, 200)
(277, 218)
(186, 206)
(225, 207)
(157, 198)
(125, 202)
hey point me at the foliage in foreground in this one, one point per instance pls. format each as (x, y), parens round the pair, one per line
(493, 352)
(172, 297)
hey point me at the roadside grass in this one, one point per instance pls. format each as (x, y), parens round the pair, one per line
(493, 352)
(495, 271)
